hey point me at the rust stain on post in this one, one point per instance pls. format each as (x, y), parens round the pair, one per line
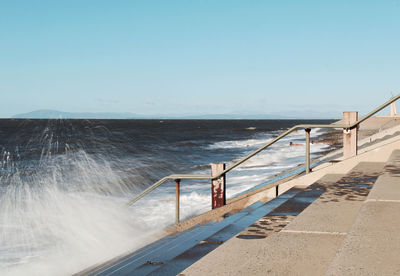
(350, 137)
(218, 193)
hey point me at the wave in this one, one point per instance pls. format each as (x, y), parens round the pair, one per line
(71, 205)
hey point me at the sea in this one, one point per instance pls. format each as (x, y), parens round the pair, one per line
(64, 184)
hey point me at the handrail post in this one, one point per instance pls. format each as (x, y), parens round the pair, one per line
(350, 136)
(177, 181)
(218, 185)
(308, 130)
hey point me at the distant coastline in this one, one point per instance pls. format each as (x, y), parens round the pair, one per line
(55, 114)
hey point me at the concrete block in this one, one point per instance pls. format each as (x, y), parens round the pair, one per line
(327, 217)
(372, 247)
(386, 188)
(280, 254)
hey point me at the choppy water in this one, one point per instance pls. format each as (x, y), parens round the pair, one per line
(63, 183)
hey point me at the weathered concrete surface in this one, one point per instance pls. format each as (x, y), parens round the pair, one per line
(298, 253)
(380, 122)
(373, 245)
(350, 137)
(387, 186)
(327, 217)
(337, 208)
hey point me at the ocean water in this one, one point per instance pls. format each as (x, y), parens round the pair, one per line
(64, 183)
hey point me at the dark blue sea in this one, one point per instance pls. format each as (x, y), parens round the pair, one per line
(64, 183)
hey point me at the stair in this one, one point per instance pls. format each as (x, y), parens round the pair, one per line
(158, 254)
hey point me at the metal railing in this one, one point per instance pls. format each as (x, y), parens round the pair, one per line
(307, 128)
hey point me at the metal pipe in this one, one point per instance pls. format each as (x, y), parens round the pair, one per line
(177, 181)
(376, 110)
(307, 150)
(241, 161)
(146, 191)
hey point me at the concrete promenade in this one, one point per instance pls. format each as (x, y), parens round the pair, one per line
(351, 229)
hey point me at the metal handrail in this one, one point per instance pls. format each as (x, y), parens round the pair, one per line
(244, 159)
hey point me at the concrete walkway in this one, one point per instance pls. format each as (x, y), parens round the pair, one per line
(372, 246)
(347, 231)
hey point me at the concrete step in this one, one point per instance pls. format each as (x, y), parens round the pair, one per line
(175, 259)
(117, 265)
(308, 243)
(372, 245)
(180, 262)
(156, 254)
(141, 256)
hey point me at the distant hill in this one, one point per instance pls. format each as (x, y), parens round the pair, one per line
(54, 114)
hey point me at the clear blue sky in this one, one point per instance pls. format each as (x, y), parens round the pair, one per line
(195, 56)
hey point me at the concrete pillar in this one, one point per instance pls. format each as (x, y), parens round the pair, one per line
(218, 193)
(350, 137)
(393, 111)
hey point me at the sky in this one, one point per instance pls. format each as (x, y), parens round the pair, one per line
(196, 56)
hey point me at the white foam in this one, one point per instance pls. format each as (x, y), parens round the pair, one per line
(54, 223)
(238, 144)
(277, 158)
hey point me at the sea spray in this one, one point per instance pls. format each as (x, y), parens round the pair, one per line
(64, 216)
(64, 211)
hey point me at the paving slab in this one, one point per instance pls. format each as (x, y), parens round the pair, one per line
(327, 217)
(372, 247)
(386, 187)
(298, 253)
(336, 210)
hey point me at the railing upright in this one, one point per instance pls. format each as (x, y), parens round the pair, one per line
(308, 130)
(177, 200)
